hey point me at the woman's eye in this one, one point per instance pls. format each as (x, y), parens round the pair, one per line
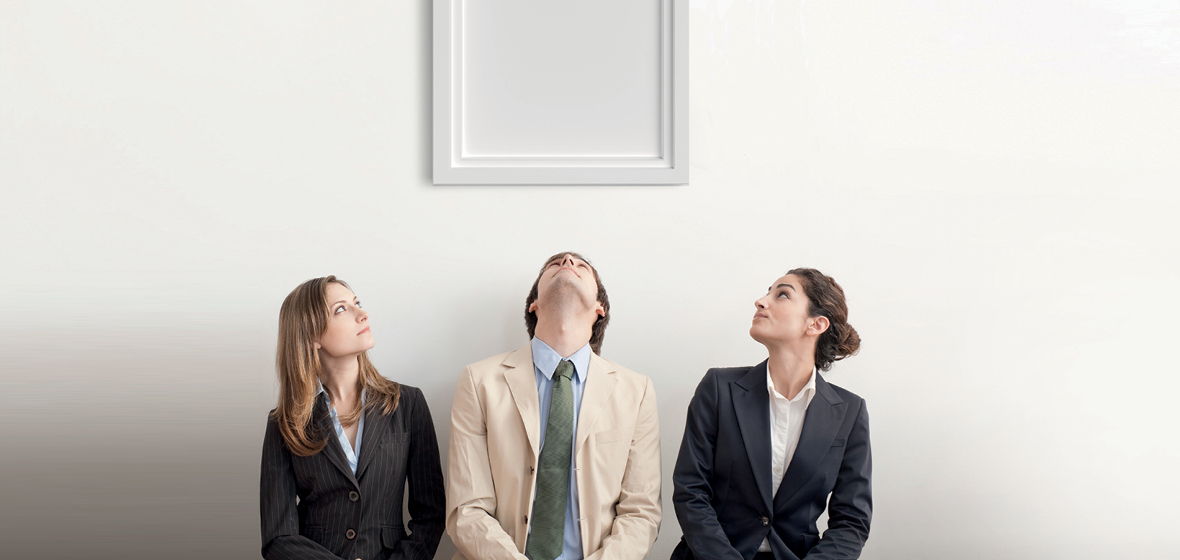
(340, 309)
(784, 295)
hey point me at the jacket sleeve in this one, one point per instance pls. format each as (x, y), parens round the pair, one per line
(427, 495)
(693, 475)
(637, 514)
(280, 518)
(850, 509)
(471, 494)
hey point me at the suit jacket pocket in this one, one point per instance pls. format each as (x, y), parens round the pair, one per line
(391, 535)
(611, 436)
(838, 442)
(395, 438)
(313, 532)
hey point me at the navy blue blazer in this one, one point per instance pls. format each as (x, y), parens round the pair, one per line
(314, 508)
(722, 477)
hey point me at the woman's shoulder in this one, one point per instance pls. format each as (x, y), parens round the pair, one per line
(727, 374)
(844, 394)
(410, 390)
(717, 384)
(717, 380)
(412, 395)
(409, 397)
(272, 433)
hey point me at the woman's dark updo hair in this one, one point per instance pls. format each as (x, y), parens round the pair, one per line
(826, 299)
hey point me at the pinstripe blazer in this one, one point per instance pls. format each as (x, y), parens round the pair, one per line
(338, 515)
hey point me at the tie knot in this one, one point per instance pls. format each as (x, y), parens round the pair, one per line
(565, 369)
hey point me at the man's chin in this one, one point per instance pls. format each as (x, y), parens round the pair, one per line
(562, 293)
(564, 283)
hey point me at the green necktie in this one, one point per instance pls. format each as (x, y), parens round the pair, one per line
(553, 471)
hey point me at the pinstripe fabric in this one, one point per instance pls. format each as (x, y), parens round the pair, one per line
(398, 447)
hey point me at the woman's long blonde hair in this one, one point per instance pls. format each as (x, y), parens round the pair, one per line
(302, 320)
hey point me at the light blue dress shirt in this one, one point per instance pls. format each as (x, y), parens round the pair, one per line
(545, 361)
(349, 452)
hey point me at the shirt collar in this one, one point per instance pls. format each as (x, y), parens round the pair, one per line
(328, 399)
(805, 393)
(545, 359)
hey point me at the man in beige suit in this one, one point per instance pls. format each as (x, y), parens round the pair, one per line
(555, 452)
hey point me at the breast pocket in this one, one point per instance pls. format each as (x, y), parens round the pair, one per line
(395, 439)
(608, 458)
(394, 454)
(612, 436)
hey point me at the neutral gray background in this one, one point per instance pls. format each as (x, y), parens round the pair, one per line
(994, 184)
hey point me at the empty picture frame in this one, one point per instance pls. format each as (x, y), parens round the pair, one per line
(560, 92)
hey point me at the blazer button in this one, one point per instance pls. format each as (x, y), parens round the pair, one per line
(532, 469)
(526, 520)
(350, 534)
(765, 522)
(354, 496)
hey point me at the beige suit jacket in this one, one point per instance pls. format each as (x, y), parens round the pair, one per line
(495, 445)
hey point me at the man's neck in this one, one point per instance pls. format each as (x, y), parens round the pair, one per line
(564, 334)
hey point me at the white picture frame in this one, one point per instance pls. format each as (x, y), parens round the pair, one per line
(569, 92)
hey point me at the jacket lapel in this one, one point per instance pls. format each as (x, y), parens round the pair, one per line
(824, 417)
(376, 426)
(332, 449)
(600, 383)
(522, 381)
(751, 404)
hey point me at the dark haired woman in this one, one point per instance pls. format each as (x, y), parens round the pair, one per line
(344, 441)
(764, 446)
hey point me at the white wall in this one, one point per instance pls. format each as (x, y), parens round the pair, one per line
(994, 184)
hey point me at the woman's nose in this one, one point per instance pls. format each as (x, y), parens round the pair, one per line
(760, 303)
(362, 315)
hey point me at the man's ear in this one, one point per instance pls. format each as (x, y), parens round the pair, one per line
(600, 310)
(533, 307)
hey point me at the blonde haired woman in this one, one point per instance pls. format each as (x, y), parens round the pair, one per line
(343, 441)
